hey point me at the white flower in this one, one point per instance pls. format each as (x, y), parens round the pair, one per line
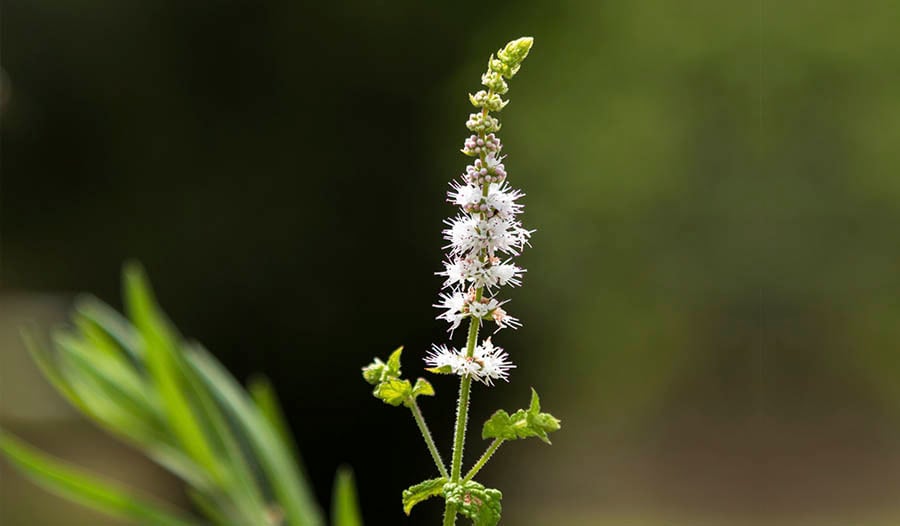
(472, 235)
(483, 308)
(462, 270)
(503, 320)
(466, 196)
(440, 357)
(453, 305)
(488, 363)
(500, 200)
(505, 274)
(495, 363)
(499, 234)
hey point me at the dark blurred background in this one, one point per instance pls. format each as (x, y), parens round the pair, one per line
(712, 303)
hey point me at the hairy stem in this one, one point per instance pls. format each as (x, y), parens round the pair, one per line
(426, 434)
(495, 445)
(462, 415)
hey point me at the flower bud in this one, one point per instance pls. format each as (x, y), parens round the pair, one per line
(494, 81)
(516, 51)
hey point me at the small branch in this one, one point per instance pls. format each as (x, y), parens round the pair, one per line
(495, 445)
(426, 434)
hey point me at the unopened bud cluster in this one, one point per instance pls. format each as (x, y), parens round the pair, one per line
(476, 145)
(488, 169)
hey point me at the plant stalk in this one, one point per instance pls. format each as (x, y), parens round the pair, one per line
(495, 445)
(462, 415)
(426, 434)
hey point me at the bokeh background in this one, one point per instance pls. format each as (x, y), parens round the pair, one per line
(712, 303)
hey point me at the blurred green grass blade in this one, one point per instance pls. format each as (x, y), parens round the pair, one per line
(164, 454)
(161, 355)
(116, 327)
(120, 383)
(49, 368)
(263, 393)
(209, 508)
(294, 495)
(88, 490)
(241, 482)
(344, 502)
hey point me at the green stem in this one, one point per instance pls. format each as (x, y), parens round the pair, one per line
(495, 445)
(462, 415)
(449, 515)
(426, 434)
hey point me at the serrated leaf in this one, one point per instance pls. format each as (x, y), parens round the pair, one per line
(393, 392)
(540, 423)
(499, 425)
(521, 424)
(344, 503)
(475, 502)
(422, 388)
(422, 491)
(445, 369)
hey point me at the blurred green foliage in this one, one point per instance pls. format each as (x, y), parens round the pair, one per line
(169, 397)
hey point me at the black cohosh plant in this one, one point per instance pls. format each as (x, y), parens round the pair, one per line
(483, 240)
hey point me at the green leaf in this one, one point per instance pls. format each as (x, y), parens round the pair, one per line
(114, 376)
(521, 424)
(374, 372)
(393, 363)
(445, 369)
(162, 358)
(116, 327)
(422, 388)
(243, 491)
(499, 425)
(378, 371)
(422, 491)
(344, 503)
(393, 392)
(274, 455)
(51, 371)
(164, 454)
(263, 393)
(85, 489)
(475, 502)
